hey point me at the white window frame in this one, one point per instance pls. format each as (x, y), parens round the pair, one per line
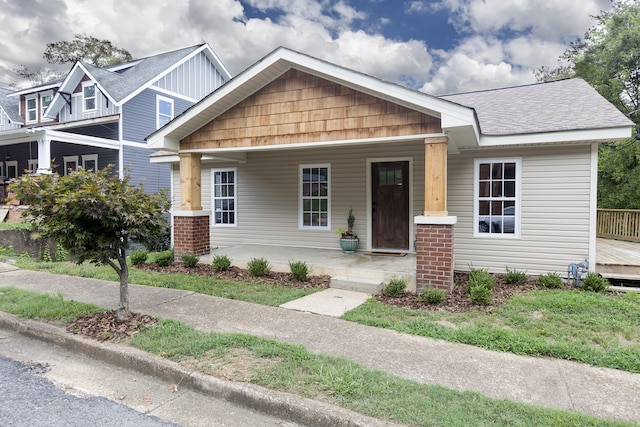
(88, 158)
(85, 98)
(67, 160)
(43, 107)
(8, 164)
(160, 99)
(222, 198)
(302, 197)
(34, 110)
(32, 164)
(516, 200)
(2, 169)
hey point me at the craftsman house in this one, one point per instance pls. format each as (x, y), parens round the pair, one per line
(100, 116)
(280, 154)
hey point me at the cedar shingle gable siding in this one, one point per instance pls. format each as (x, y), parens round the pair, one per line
(299, 107)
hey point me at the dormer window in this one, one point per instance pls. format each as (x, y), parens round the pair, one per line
(88, 96)
(31, 109)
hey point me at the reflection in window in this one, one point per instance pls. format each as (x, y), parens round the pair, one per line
(497, 183)
(314, 183)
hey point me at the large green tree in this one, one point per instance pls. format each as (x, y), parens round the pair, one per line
(82, 47)
(608, 57)
(95, 216)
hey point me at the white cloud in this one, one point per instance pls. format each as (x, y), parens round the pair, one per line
(501, 42)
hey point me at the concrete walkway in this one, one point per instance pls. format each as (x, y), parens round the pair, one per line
(546, 382)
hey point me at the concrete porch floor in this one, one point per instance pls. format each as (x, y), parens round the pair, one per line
(324, 261)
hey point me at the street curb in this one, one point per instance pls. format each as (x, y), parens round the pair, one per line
(281, 405)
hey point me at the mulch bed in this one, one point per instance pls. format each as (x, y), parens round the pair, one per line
(240, 274)
(105, 326)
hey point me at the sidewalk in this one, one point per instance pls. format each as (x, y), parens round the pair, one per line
(540, 381)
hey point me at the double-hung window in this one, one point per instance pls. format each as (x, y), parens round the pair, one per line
(31, 109)
(164, 111)
(90, 162)
(88, 96)
(315, 195)
(224, 183)
(497, 196)
(70, 164)
(45, 100)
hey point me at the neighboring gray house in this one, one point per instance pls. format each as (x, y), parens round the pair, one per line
(280, 154)
(100, 116)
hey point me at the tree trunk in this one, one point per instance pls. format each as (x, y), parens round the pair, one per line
(123, 273)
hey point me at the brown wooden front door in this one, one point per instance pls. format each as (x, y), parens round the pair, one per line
(390, 205)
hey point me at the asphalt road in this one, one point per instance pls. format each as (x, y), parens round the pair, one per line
(28, 399)
(44, 385)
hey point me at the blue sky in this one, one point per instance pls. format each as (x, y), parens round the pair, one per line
(438, 46)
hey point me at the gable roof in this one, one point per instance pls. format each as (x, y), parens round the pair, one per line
(121, 82)
(566, 111)
(555, 106)
(457, 120)
(10, 105)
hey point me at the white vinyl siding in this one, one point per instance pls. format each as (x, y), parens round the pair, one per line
(554, 211)
(268, 194)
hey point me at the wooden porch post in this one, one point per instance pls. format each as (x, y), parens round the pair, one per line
(435, 176)
(190, 223)
(434, 229)
(190, 182)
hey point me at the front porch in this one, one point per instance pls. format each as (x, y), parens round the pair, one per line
(334, 263)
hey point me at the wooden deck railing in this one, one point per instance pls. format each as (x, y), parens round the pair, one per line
(619, 224)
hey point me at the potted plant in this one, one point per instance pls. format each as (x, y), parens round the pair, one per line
(348, 239)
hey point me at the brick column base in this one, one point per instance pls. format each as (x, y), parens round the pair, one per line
(434, 256)
(190, 235)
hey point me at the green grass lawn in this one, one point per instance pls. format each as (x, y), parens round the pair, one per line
(244, 291)
(291, 368)
(597, 329)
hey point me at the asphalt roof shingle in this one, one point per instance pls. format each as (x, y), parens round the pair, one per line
(560, 105)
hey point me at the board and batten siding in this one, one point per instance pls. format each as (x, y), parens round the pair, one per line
(555, 211)
(104, 107)
(195, 78)
(268, 193)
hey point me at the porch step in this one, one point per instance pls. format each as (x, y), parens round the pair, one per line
(368, 286)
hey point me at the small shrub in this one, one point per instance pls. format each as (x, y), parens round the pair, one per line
(480, 295)
(139, 257)
(299, 270)
(514, 277)
(595, 283)
(258, 267)
(433, 295)
(550, 281)
(396, 287)
(221, 263)
(190, 260)
(480, 277)
(164, 259)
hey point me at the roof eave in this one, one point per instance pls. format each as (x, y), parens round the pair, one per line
(561, 137)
